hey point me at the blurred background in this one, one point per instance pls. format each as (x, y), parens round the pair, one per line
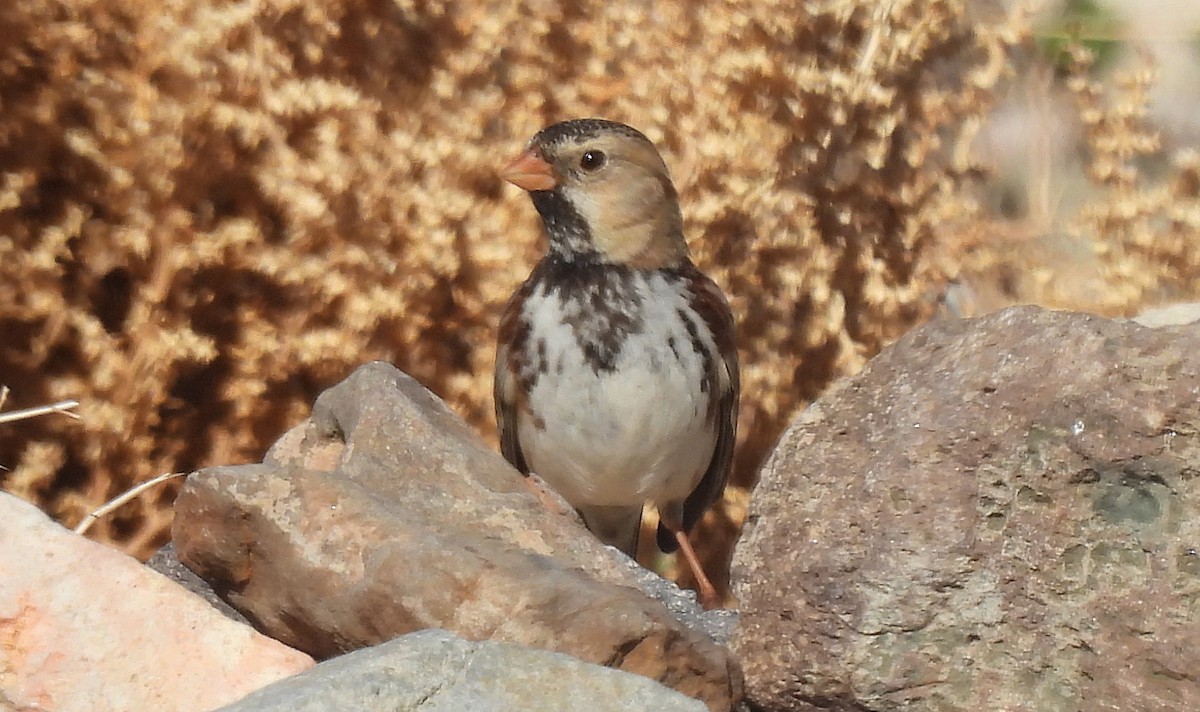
(212, 210)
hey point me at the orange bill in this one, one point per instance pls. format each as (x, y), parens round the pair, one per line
(529, 172)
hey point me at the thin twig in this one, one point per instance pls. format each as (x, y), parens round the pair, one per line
(121, 499)
(63, 407)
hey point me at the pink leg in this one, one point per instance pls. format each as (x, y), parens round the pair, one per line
(708, 592)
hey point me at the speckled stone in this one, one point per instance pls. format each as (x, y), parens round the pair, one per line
(997, 513)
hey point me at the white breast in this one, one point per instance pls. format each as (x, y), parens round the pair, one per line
(634, 433)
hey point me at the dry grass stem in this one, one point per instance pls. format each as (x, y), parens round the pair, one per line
(120, 500)
(63, 407)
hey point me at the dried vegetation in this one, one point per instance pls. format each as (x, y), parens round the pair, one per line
(209, 211)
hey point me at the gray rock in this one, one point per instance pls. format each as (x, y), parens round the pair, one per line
(434, 671)
(997, 513)
(716, 624)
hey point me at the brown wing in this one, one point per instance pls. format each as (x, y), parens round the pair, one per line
(507, 391)
(710, 303)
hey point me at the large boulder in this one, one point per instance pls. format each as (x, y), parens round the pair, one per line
(386, 514)
(998, 513)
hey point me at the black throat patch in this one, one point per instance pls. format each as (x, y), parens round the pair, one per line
(601, 304)
(567, 231)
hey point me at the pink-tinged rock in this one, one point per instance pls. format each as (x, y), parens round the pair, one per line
(85, 627)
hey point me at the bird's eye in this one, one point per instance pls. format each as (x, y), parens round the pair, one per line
(592, 160)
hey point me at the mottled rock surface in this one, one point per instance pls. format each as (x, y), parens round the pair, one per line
(85, 627)
(435, 671)
(682, 604)
(386, 514)
(997, 513)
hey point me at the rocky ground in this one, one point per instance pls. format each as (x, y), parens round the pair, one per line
(997, 513)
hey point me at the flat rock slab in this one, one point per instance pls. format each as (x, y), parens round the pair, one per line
(386, 514)
(435, 671)
(997, 513)
(85, 627)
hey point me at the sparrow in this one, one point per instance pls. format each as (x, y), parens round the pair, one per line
(616, 375)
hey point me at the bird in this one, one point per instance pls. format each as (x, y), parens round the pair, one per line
(616, 373)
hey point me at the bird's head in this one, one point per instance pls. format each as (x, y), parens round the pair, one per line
(603, 194)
